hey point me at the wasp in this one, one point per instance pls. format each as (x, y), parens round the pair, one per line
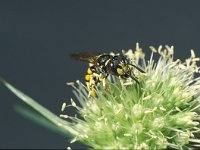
(102, 65)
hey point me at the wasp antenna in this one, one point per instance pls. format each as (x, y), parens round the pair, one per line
(142, 71)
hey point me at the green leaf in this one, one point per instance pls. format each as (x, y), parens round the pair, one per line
(67, 126)
(39, 119)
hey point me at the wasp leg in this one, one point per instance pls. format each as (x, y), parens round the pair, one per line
(129, 74)
(121, 81)
(135, 79)
(102, 79)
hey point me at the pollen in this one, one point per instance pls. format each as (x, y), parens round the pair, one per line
(73, 103)
(73, 140)
(64, 116)
(63, 107)
(70, 83)
(127, 134)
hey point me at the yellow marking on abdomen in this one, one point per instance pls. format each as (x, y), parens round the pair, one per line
(87, 77)
(89, 71)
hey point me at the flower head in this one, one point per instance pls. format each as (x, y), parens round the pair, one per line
(160, 112)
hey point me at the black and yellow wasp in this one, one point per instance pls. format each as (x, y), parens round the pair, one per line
(101, 65)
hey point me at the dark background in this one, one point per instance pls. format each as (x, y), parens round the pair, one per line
(36, 38)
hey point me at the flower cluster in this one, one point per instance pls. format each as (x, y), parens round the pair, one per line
(161, 112)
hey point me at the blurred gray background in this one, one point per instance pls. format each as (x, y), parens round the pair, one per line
(36, 38)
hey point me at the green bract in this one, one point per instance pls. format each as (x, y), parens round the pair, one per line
(161, 112)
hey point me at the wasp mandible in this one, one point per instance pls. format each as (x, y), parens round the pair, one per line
(104, 64)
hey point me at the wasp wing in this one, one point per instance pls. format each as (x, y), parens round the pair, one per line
(88, 57)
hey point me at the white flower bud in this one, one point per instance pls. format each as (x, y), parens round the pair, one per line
(158, 123)
(182, 138)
